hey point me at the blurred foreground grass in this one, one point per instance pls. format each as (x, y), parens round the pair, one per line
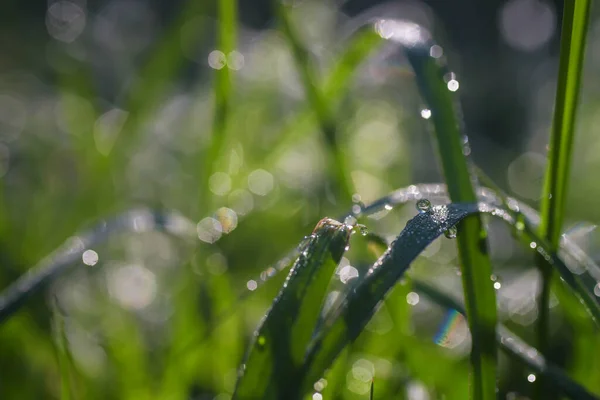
(254, 141)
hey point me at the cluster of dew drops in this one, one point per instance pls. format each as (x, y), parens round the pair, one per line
(424, 206)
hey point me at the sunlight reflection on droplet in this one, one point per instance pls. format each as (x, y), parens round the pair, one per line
(235, 60)
(227, 218)
(453, 85)
(133, 286)
(436, 51)
(527, 24)
(65, 21)
(219, 183)
(241, 201)
(251, 285)
(412, 298)
(531, 378)
(260, 182)
(89, 257)
(209, 230)
(317, 396)
(216, 59)
(497, 285)
(415, 390)
(348, 273)
(425, 113)
(320, 385)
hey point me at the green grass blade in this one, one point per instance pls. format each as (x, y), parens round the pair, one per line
(347, 319)
(319, 104)
(573, 38)
(270, 370)
(63, 354)
(515, 347)
(335, 86)
(223, 92)
(70, 253)
(480, 297)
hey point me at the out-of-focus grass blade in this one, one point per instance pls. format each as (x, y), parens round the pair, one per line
(155, 76)
(436, 84)
(515, 347)
(575, 23)
(277, 352)
(59, 262)
(63, 354)
(227, 10)
(335, 85)
(323, 113)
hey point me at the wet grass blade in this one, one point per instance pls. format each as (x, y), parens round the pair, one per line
(346, 321)
(324, 115)
(434, 82)
(70, 253)
(515, 347)
(277, 352)
(573, 38)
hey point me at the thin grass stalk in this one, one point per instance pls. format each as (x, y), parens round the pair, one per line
(572, 48)
(324, 115)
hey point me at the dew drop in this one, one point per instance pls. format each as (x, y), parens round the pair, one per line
(350, 220)
(597, 289)
(533, 245)
(426, 113)
(388, 207)
(451, 232)
(362, 229)
(423, 205)
(497, 285)
(303, 246)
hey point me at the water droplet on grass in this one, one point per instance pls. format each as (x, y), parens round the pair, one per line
(350, 220)
(362, 229)
(423, 205)
(451, 232)
(388, 207)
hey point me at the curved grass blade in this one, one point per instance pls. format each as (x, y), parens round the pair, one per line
(436, 84)
(575, 23)
(277, 352)
(345, 322)
(59, 262)
(514, 346)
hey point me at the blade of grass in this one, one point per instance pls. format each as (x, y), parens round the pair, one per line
(335, 86)
(63, 354)
(324, 115)
(278, 348)
(434, 83)
(573, 38)
(227, 10)
(70, 253)
(347, 319)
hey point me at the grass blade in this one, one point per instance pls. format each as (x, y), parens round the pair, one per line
(573, 38)
(227, 10)
(434, 82)
(280, 342)
(515, 347)
(346, 321)
(324, 115)
(70, 253)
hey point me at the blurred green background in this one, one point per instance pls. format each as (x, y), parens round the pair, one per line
(111, 105)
